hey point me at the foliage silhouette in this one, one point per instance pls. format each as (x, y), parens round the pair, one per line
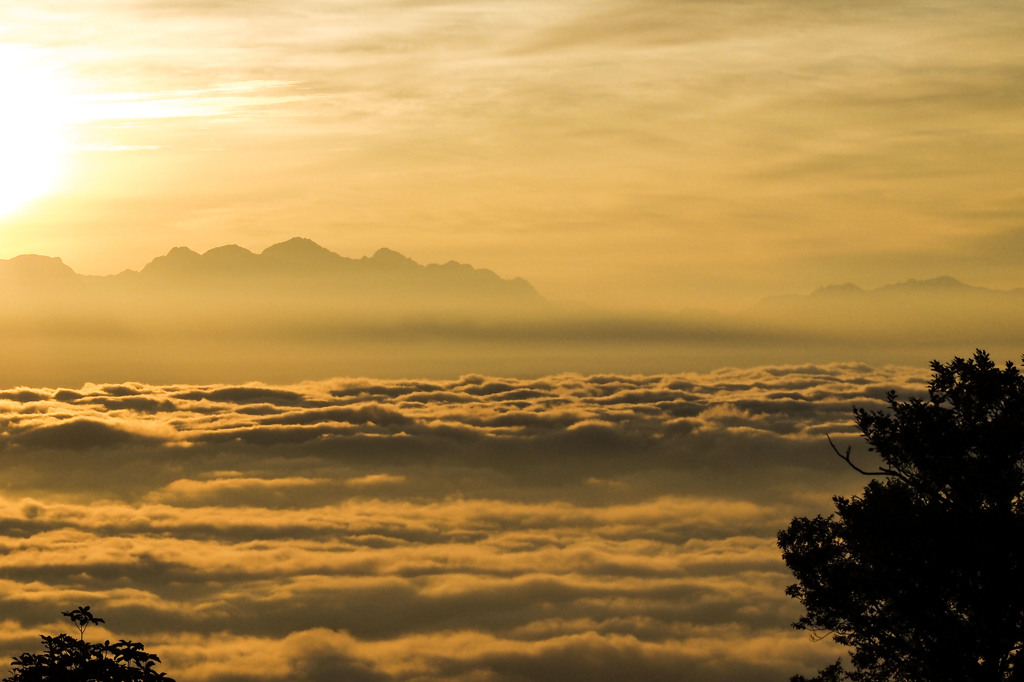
(921, 574)
(66, 659)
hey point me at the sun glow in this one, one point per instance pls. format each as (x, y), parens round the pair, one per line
(33, 110)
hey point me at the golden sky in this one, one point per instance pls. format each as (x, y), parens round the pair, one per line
(577, 487)
(641, 153)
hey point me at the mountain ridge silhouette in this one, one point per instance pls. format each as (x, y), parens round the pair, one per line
(939, 307)
(297, 311)
(298, 267)
(943, 285)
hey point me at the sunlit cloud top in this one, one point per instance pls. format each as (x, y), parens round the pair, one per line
(482, 527)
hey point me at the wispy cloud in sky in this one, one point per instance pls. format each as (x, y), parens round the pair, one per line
(696, 149)
(224, 100)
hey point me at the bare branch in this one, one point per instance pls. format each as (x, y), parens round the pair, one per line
(882, 471)
(846, 458)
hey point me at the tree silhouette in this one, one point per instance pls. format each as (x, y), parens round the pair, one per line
(66, 659)
(922, 574)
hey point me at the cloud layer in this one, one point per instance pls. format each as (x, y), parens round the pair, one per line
(603, 527)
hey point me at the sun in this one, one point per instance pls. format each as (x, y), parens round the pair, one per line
(32, 127)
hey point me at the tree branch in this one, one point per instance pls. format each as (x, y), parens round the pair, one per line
(846, 458)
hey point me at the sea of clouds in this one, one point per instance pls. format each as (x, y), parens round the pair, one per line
(570, 527)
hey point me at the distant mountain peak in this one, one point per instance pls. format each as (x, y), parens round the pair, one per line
(838, 289)
(944, 282)
(32, 265)
(938, 300)
(389, 257)
(301, 268)
(180, 260)
(181, 252)
(296, 242)
(229, 252)
(295, 277)
(297, 246)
